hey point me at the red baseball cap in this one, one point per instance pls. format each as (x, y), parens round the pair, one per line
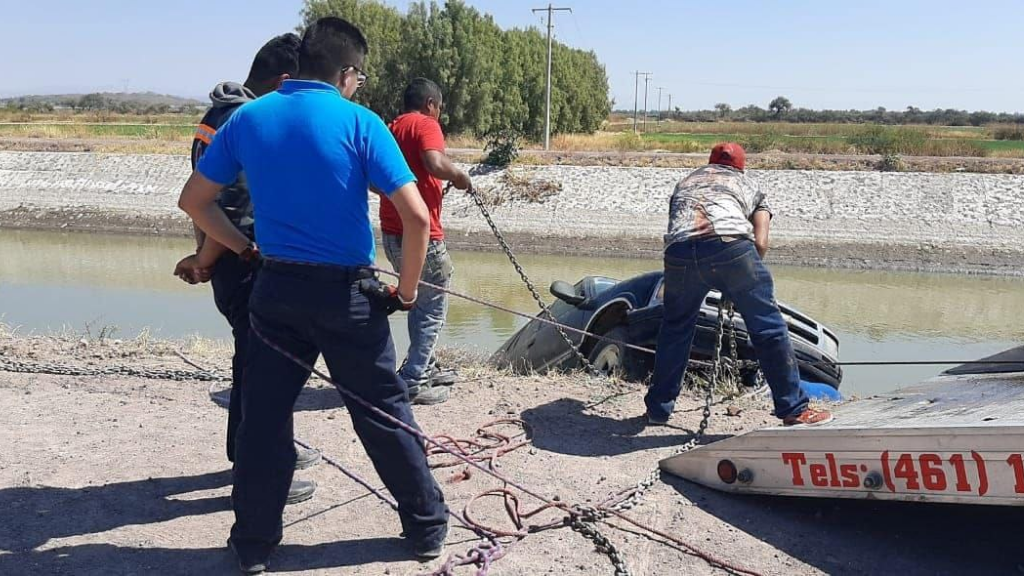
(729, 154)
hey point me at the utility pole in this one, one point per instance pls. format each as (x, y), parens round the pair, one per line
(659, 106)
(647, 80)
(547, 122)
(636, 94)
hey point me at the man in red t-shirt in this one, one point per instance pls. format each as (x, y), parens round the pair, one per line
(419, 135)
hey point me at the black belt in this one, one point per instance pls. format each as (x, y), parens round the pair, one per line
(318, 271)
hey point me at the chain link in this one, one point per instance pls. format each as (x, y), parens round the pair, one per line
(583, 360)
(26, 367)
(582, 520)
(583, 524)
(633, 497)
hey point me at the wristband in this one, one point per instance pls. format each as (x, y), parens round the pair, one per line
(403, 302)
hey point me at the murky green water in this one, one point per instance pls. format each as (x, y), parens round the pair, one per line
(51, 280)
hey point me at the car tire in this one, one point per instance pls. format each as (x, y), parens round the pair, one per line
(610, 358)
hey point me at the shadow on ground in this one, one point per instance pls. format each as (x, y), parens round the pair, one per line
(36, 514)
(33, 516)
(872, 537)
(107, 559)
(565, 427)
(311, 399)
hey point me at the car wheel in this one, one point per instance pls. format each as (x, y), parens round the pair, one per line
(609, 358)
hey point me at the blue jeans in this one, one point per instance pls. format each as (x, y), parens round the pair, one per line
(693, 268)
(311, 310)
(428, 315)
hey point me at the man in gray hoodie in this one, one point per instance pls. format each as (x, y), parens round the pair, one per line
(231, 278)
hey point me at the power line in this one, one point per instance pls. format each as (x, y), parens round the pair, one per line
(547, 121)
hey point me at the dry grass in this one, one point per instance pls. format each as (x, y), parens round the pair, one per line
(1008, 153)
(519, 186)
(170, 132)
(67, 116)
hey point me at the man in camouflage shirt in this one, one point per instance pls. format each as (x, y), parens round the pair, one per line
(717, 235)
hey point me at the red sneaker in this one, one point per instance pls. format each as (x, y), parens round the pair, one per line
(809, 417)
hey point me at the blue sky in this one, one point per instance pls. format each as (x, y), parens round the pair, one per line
(821, 54)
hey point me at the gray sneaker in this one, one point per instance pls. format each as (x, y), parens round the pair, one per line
(306, 457)
(653, 421)
(426, 395)
(439, 376)
(300, 491)
(430, 548)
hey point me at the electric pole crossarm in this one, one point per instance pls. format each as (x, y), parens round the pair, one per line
(547, 120)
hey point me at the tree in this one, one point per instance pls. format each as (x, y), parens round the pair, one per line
(723, 109)
(780, 105)
(93, 102)
(491, 78)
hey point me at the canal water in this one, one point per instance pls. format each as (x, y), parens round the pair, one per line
(52, 281)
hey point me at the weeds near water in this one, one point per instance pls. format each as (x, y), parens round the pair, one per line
(105, 332)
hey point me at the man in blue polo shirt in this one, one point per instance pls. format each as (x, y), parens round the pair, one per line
(309, 156)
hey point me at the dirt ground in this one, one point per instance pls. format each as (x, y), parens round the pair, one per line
(116, 475)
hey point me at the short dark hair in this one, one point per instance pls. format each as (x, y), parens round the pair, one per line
(278, 56)
(329, 45)
(418, 92)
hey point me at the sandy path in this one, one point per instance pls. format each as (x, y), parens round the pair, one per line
(127, 476)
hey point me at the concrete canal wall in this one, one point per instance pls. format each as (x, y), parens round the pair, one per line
(953, 222)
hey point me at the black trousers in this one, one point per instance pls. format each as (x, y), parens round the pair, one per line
(232, 283)
(311, 310)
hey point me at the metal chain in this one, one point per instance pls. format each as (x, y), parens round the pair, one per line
(635, 495)
(583, 521)
(734, 368)
(27, 367)
(583, 524)
(583, 360)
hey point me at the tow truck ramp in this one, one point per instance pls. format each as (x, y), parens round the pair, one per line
(954, 439)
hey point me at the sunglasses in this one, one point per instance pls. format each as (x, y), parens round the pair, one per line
(361, 77)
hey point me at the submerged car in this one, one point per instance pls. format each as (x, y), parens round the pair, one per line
(631, 311)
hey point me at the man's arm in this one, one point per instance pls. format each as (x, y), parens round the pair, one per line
(441, 167)
(762, 221)
(415, 234)
(209, 253)
(199, 200)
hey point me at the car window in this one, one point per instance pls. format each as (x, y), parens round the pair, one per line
(659, 294)
(600, 284)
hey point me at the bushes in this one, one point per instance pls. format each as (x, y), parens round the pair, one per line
(763, 142)
(905, 141)
(502, 147)
(892, 163)
(886, 140)
(1008, 132)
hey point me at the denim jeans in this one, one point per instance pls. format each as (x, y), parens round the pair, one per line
(693, 268)
(426, 318)
(311, 310)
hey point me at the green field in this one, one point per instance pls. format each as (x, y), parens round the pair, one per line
(844, 139)
(169, 133)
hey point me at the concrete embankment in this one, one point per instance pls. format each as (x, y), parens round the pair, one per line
(914, 221)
